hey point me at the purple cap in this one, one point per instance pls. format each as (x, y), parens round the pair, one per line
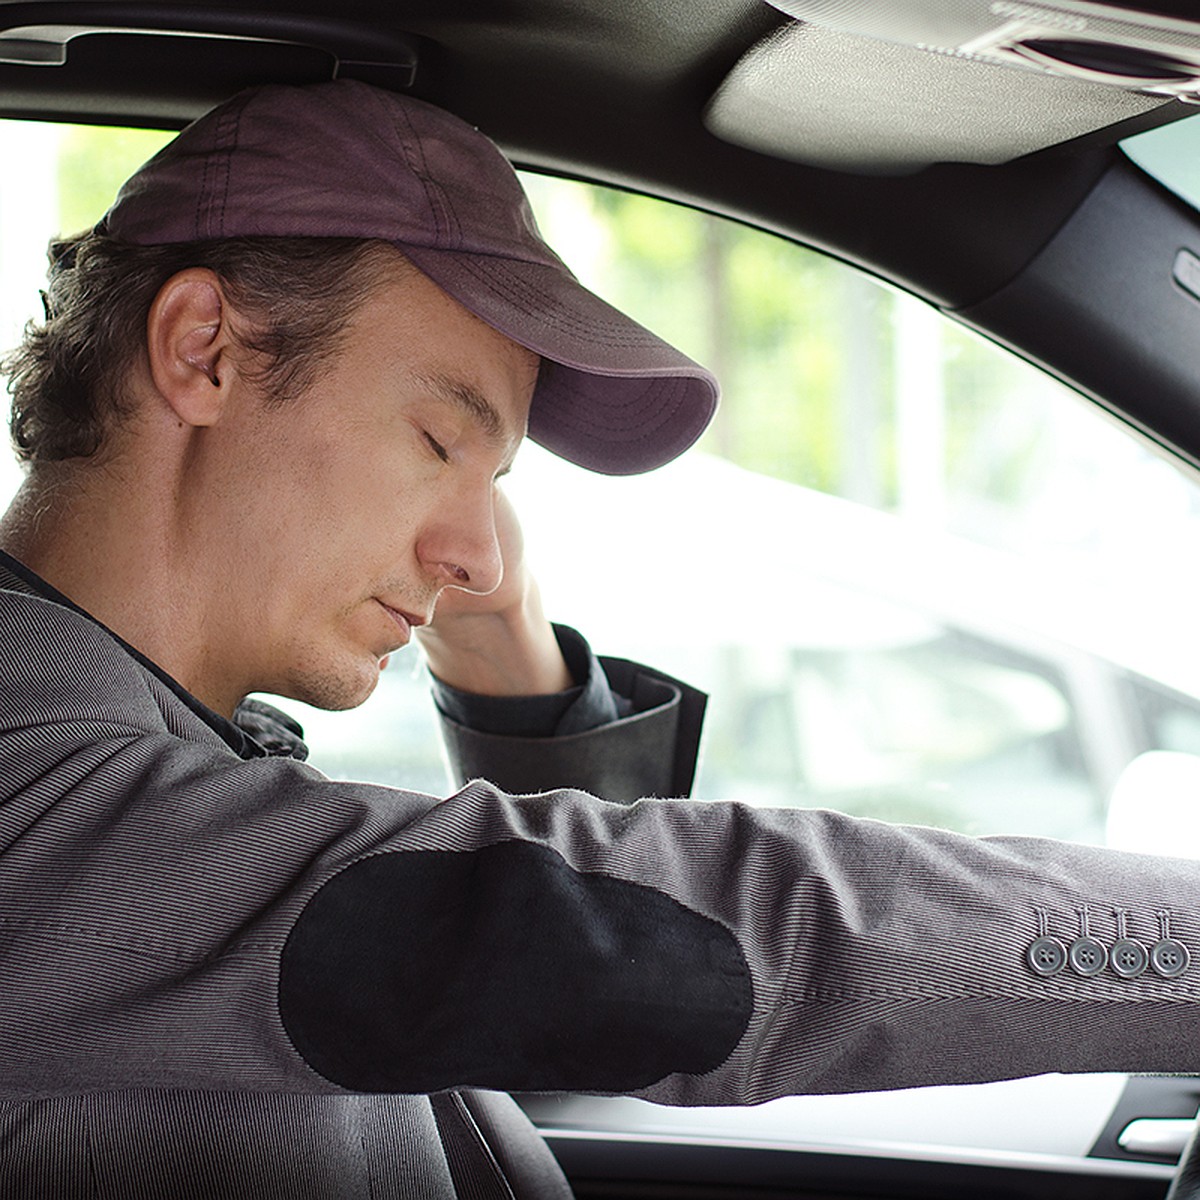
(344, 159)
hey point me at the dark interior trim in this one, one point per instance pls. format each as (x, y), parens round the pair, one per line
(951, 233)
(615, 1166)
(1067, 310)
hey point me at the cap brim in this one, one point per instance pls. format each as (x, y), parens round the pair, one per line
(618, 399)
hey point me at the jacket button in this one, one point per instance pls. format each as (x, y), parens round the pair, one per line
(1169, 958)
(1128, 958)
(1046, 956)
(1087, 956)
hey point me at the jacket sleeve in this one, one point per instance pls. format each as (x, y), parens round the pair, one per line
(652, 750)
(173, 916)
(710, 953)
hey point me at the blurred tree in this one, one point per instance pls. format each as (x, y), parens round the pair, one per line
(797, 348)
(93, 163)
(805, 347)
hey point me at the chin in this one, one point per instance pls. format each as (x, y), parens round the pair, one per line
(336, 689)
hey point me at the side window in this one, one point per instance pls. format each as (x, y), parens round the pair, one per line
(913, 571)
(67, 179)
(920, 580)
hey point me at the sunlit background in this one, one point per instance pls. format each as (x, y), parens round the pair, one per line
(920, 579)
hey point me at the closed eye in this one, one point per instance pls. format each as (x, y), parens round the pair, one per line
(436, 446)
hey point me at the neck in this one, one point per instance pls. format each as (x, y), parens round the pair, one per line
(94, 532)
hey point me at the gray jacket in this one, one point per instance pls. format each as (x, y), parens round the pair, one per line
(229, 975)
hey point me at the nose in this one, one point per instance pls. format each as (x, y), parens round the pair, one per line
(461, 548)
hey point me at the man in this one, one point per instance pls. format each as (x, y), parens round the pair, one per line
(227, 975)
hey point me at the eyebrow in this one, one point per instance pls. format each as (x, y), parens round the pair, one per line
(470, 401)
(475, 405)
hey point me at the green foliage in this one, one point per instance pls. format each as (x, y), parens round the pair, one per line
(93, 163)
(805, 349)
(998, 421)
(768, 316)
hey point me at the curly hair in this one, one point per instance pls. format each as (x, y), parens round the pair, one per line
(68, 376)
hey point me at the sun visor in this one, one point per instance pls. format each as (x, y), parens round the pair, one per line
(891, 88)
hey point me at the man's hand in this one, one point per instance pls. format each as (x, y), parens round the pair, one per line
(500, 644)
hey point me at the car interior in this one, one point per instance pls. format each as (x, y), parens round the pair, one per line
(945, 257)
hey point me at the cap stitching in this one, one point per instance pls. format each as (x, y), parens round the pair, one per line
(658, 391)
(512, 287)
(218, 161)
(596, 332)
(570, 418)
(228, 171)
(198, 218)
(443, 213)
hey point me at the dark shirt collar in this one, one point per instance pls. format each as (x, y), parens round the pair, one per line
(267, 731)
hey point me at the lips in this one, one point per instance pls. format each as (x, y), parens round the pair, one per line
(405, 622)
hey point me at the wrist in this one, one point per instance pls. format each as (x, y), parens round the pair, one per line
(512, 652)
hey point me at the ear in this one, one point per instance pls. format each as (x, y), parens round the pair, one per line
(187, 339)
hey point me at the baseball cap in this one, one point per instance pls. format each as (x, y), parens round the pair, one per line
(345, 159)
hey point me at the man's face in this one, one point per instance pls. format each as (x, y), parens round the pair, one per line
(352, 507)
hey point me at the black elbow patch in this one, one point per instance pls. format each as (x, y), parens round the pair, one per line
(505, 968)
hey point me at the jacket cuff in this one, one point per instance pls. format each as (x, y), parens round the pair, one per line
(650, 752)
(589, 703)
